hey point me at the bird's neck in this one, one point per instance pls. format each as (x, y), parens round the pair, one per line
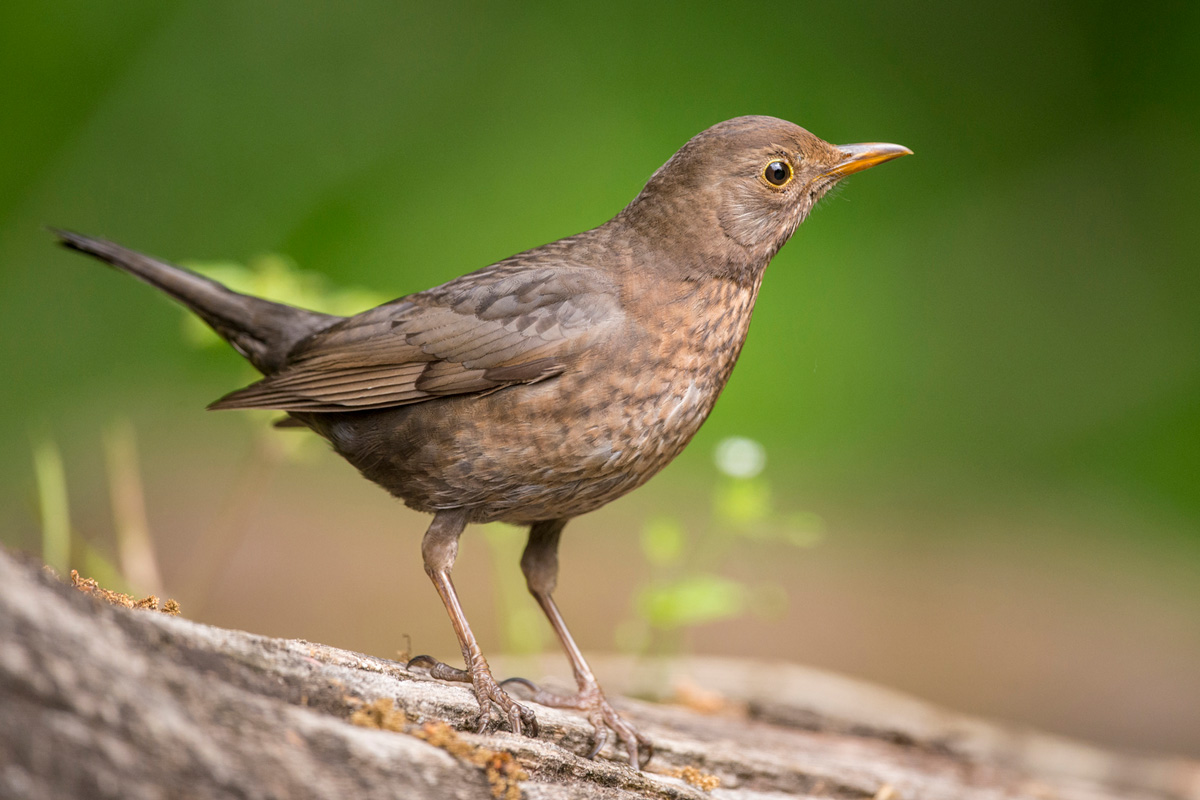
(675, 245)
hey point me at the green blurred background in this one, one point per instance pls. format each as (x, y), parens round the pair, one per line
(975, 372)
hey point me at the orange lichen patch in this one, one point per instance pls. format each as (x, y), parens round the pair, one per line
(150, 602)
(90, 586)
(504, 774)
(691, 695)
(694, 777)
(381, 714)
(440, 734)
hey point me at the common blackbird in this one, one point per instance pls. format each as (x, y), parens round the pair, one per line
(548, 384)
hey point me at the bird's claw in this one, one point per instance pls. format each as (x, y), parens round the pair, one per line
(521, 720)
(440, 670)
(603, 717)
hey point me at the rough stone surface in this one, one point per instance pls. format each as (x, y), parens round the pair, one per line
(98, 701)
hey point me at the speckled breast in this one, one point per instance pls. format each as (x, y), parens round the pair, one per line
(569, 445)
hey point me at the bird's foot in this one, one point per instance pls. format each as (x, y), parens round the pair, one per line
(604, 718)
(487, 692)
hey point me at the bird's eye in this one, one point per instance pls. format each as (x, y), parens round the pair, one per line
(777, 173)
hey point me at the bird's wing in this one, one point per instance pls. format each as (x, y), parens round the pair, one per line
(477, 334)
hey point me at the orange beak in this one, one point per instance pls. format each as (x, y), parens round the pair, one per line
(863, 156)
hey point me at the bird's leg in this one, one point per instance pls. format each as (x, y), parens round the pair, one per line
(540, 565)
(439, 549)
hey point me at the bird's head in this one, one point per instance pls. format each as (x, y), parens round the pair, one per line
(745, 185)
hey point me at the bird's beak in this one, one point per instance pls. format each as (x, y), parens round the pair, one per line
(858, 157)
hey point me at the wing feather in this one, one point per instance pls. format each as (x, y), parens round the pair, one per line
(505, 325)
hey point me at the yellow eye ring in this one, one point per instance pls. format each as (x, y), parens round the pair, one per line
(777, 173)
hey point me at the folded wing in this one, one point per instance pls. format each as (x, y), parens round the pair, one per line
(479, 333)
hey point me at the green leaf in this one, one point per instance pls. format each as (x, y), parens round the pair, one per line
(692, 600)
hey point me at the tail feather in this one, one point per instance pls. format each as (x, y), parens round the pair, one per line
(261, 330)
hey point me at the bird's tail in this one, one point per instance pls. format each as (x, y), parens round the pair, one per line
(261, 330)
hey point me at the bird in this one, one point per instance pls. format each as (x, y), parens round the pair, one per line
(545, 385)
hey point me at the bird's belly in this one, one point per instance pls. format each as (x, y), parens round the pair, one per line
(565, 446)
(559, 449)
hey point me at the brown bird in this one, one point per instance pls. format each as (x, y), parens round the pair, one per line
(548, 384)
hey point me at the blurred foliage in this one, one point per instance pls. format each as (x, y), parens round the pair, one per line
(523, 629)
(63, 548)
(685, 588)
(52, 504)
